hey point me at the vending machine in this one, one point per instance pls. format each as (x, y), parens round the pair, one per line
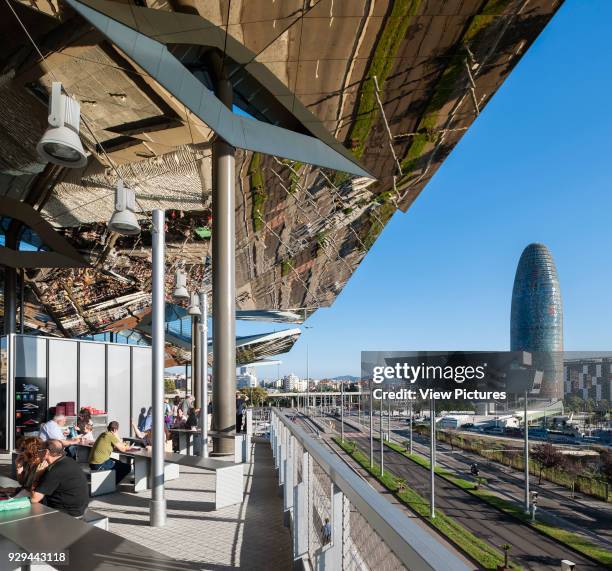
(30, 405)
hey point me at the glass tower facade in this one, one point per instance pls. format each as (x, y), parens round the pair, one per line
(536, 320)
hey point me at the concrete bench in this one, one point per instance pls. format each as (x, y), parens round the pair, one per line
(97, 519)
(229, 477)
(100, 481)
(242, 444)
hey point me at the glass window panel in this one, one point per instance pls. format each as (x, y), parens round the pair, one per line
(119, 387)
(92, 363)
(62, 371)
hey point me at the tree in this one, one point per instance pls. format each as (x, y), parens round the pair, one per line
(402, 485)
(169, 386)
(257, 395)
(547, 456)
(605, 469)
(572, 469)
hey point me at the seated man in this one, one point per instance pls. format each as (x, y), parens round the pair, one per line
(54, 430)
(63, 486)
(100, 456)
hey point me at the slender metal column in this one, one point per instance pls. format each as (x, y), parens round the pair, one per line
(410, 450)
(526, 452)
(224, 284)
(432, 458)
(342, 411)
(195, 358)
(370, 402)
(158, 500)
(389, 421)
(204, 371)
(382, 445)
(307, 382)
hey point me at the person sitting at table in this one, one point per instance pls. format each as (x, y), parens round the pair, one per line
(63, 485)
(147, 438)
(87, 436)
(54, 430)
(100, 455)
(29, 465)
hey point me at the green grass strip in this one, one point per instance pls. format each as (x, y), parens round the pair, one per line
(480, 551)
(573, 540)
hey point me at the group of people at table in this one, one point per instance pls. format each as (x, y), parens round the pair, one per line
(48, 473)
(46, 467)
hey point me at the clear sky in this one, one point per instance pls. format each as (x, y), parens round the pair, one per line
(534, 167)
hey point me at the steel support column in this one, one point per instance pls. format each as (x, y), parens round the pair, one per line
(224, 284)
(432, 458)
(195, 358)
(158, 500)
(202, 402)
(382, 440)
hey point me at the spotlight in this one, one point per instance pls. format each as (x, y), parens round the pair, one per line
(180, 287)
(124, 220)
(194, 306)
(61, 144)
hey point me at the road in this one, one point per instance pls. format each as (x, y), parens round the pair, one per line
(582, 513)
(530, 549)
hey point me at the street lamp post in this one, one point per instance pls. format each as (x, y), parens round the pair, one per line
(432, 457)
(382, 446)
(389, 421)
(526, 444)
(342, 411)
(410, 449)
(371, 427)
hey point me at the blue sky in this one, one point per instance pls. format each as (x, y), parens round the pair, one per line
(535, 166)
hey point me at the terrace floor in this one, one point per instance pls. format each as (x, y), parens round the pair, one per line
(246, 536)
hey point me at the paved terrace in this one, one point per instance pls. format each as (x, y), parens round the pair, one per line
(246, 536)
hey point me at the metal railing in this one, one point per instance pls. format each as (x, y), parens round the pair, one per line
(338, 521)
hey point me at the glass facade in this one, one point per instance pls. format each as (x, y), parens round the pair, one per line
(536, 321)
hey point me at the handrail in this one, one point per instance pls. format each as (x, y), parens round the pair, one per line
(416, 548)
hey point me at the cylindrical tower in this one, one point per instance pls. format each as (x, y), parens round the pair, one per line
(536, 320)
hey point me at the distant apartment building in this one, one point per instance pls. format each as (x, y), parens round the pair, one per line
(589, 378)
(246, 378)
(292, 383)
